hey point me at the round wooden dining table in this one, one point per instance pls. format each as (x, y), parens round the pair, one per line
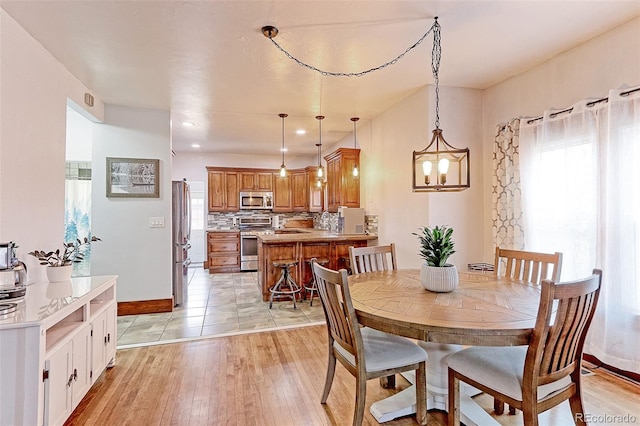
(485, 310)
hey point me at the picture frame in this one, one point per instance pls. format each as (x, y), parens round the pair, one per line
(133, 177)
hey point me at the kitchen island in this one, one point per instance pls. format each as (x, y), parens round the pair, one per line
(303, 245)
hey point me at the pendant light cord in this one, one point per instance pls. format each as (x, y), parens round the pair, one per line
(270, 32)
(436, 53)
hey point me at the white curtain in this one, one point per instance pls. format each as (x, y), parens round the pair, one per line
(581, 194)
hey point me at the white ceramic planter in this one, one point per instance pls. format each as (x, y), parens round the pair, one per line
(439, 279)
(56, 274)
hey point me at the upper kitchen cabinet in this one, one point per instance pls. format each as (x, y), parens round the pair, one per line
(316, 193)
(282, 196)
(224, 192)
(343, 189)
(299, 191)
(256, 181)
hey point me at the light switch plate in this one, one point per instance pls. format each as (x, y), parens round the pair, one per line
(156, 222)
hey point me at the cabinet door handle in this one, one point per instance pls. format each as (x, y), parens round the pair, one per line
(109, 337)
(75, 374)
(105, 340)
(70, 381)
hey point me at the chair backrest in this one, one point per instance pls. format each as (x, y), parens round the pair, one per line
(375, 258)
(528, 266)
(565, 313)
(333, 290)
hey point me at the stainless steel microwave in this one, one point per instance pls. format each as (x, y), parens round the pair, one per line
(256, 200)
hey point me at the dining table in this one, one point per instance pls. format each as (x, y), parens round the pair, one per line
(484, 310)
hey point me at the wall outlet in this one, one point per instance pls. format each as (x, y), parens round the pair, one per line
(156, 222)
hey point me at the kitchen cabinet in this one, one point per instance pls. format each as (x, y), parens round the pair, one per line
(315, 192)
(223, 251)
(256, 181)
(343, 189)
(299, 191)
(48, 363)
(104, 338)
(282, 197)
(224, 192)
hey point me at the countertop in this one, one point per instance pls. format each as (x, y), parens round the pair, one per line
(44, 300)
(294, 235)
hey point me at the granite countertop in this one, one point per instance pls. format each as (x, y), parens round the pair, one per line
(295, 235)
(222, 230)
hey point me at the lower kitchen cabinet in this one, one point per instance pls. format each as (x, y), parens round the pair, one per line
(60, 340)
(223, 251)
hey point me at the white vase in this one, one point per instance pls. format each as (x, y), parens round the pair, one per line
(57, 274)
(440, 279)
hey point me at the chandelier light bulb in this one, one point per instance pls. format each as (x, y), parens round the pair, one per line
(443, 166)
(427, 166)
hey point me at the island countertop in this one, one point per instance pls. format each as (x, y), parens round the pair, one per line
(295, 235)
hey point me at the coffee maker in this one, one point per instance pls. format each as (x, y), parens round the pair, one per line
(13, 273)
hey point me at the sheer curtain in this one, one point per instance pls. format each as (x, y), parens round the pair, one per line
(581, 195)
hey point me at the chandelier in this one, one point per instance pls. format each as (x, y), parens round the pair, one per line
(439, 167)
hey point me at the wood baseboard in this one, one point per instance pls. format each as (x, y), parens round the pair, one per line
(595, 361)
(145, 307)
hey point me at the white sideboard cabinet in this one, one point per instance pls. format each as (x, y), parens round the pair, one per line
(55, 345)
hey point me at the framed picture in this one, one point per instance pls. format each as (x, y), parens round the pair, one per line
(133, 177)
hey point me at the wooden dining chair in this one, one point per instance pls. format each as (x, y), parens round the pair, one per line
(527, 266)
(365, 352)
(374, 258)
(539, 376)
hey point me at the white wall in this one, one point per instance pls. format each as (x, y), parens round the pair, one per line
(34, 88)
(138, 254)
(588, 70)
(387, 143)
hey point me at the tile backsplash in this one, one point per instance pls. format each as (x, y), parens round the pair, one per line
(325, 220)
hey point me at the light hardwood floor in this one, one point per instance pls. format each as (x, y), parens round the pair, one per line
(275, 378)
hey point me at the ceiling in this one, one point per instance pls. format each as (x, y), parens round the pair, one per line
(209, 63)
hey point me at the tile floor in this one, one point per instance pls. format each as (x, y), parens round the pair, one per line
(217, 304)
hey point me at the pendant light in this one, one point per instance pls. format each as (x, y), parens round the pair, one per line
(283, 169)
(451, 164)
(319, 145)
(356, 172)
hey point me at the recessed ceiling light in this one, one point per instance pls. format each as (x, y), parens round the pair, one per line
(301, 132)
(188, 124)
(283, 150)
(195, 145)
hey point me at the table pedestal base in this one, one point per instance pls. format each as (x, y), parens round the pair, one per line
(404, 403)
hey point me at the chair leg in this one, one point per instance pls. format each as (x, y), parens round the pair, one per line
(498, 406)
(361, 395)
(331, 371)
(454, 399)
(529, 416)
(575, 401)
(421, 393)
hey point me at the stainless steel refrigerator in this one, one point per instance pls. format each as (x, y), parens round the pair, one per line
(181, 224)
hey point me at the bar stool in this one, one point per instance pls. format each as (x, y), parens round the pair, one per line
(311, 284)
(344, 262)
(285, 286)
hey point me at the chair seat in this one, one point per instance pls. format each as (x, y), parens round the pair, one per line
(383, 351)
(499, 368)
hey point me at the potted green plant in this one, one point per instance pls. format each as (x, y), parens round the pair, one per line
(436, 246)
(60, 262)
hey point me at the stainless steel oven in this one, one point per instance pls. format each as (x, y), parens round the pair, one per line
(250, 228)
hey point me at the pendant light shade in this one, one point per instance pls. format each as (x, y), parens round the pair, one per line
(319, 145)
(283, 169)
(355, 172)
